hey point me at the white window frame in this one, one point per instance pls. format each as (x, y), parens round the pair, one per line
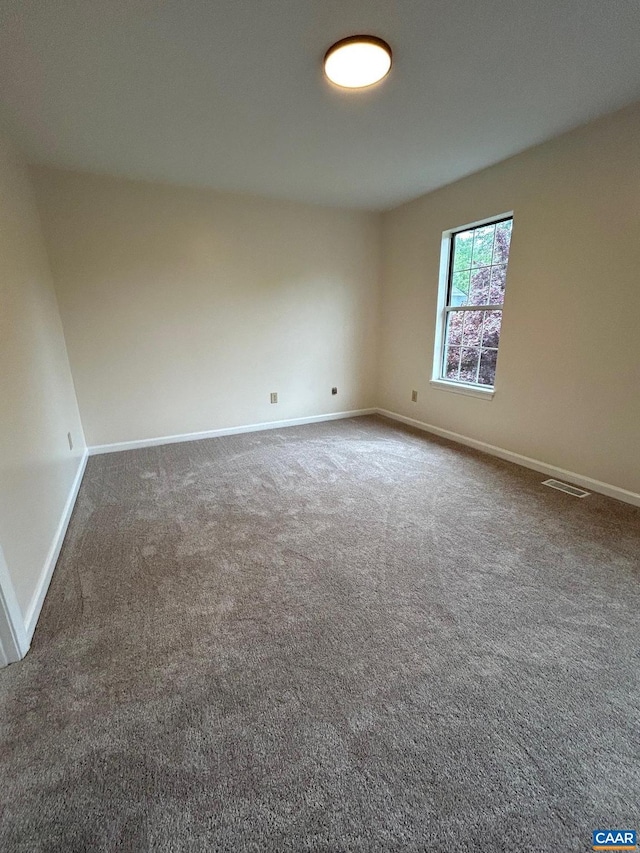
(481, 392)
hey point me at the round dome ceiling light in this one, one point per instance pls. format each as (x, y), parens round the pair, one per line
(357, 61)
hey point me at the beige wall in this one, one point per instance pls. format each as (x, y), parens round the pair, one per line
(37, 396)
(183, 309)
(568, 377)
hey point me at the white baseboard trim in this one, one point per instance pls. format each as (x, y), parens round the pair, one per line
(535, 464)
(33, 612)
(215, 433)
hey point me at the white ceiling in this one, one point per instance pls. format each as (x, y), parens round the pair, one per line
(229, 93)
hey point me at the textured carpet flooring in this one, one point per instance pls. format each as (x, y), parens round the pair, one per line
(338, 637)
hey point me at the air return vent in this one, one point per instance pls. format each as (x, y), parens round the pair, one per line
(565, 487)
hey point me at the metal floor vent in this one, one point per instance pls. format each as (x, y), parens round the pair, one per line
(565, 487)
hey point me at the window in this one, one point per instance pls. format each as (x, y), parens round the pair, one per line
(474, 273)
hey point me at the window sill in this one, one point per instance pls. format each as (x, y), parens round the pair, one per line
(459, 388)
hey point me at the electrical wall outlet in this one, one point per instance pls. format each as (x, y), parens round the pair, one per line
(334, 390)
(70, 440)
(414, 396)
(274, 398)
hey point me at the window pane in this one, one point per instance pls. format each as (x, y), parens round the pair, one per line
(472, 328)
(459, 288)
(488, 359)
(502, 242)
(452, 358)
(479, 292)
(477, 277)
(455, 320)
(483, 245)
(498, 281)
(491, 331)
(462, 248)
(469, 364)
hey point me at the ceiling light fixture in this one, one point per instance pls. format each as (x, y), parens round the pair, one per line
(357, 61)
